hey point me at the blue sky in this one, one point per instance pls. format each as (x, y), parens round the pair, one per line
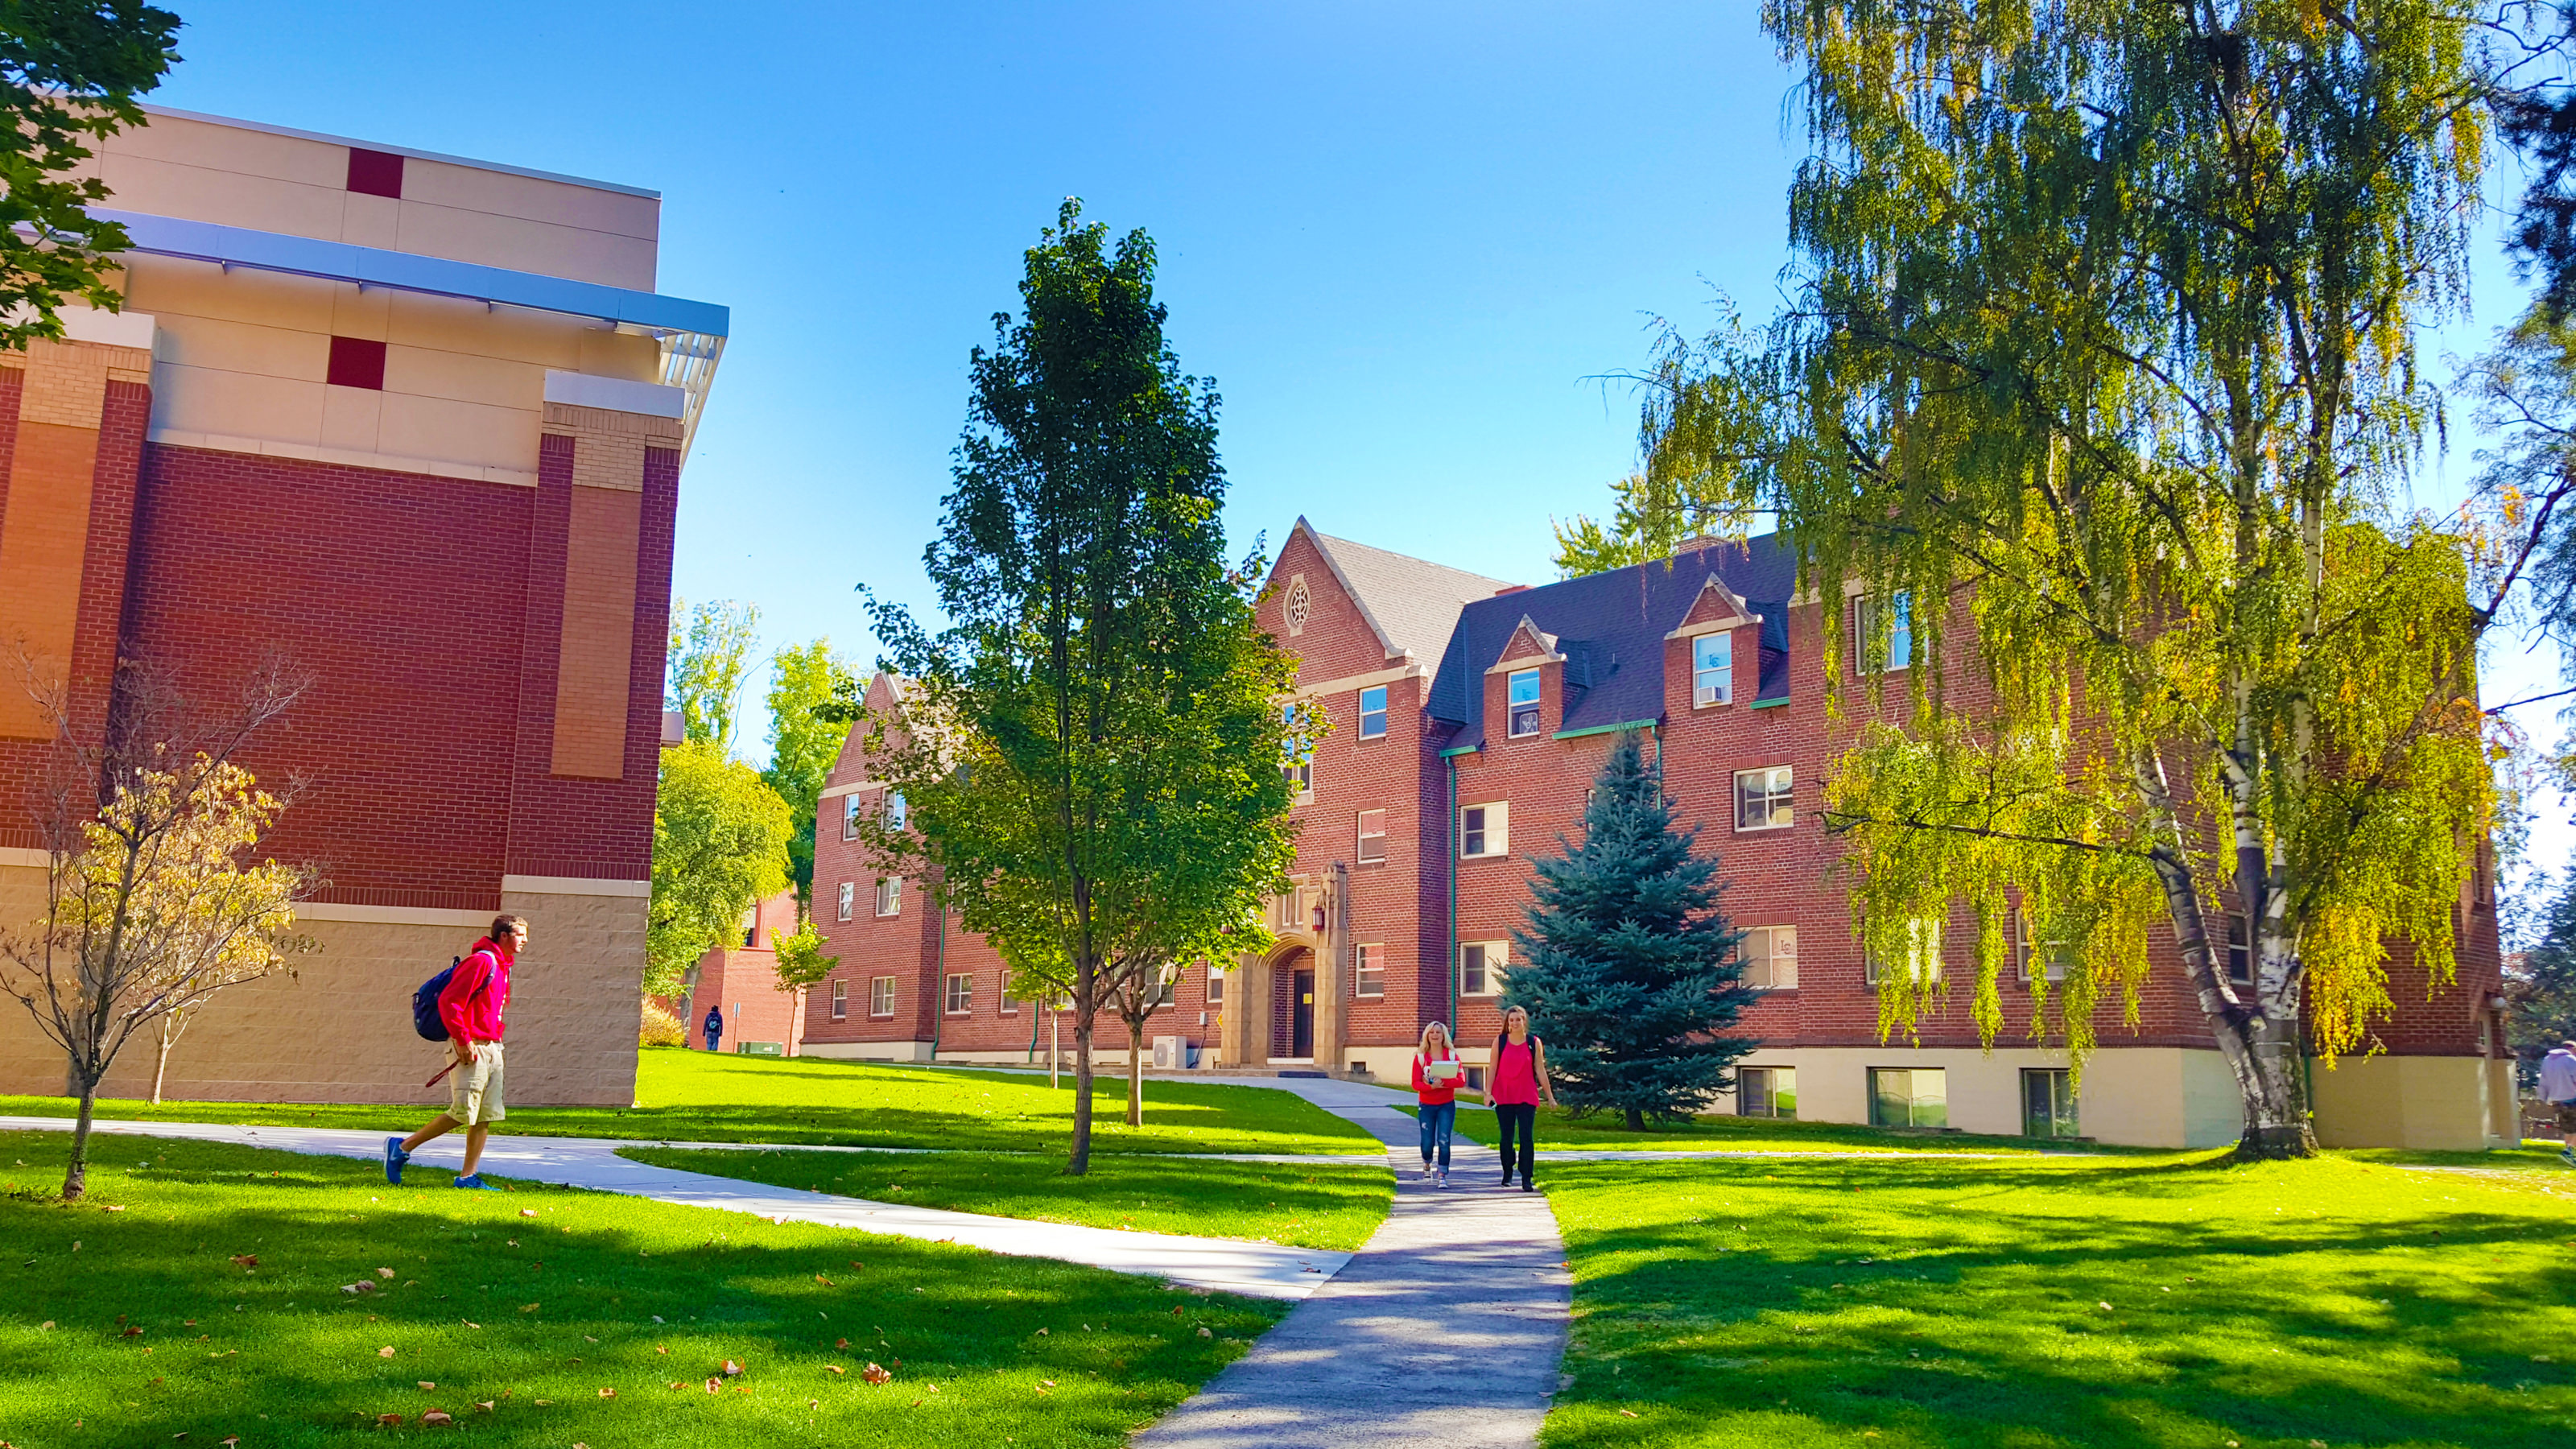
(1407, 241)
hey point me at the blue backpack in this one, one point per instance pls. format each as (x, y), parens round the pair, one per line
(424, 1003)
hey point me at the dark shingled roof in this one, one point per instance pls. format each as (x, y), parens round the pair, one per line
(1611, 628)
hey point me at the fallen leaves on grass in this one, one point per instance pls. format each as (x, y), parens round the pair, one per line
(608, 1393)
(389, 1420)
(485, 1405)
(731, 1368)
(527, 1308)
(384, 1272)
(385, 1352)
(1203, 1333)
(426, 1385)
(247, 1261)
(132, 1331)
(527, 1212)
(715, 1386)
(876, 1375)
(436, 1416)
(836, 1368)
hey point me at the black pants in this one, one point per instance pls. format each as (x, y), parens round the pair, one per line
(1521, 1118)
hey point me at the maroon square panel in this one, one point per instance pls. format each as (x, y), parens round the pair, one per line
(375, 173)
(357, 362)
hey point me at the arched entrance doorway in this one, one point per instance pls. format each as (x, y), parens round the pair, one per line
(1292, 1017)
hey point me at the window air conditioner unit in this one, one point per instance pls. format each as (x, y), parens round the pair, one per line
(1710, 694)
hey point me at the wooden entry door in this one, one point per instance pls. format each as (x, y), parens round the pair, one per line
(1301, 1015)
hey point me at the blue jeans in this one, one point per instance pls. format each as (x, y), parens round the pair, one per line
(1437, 1118)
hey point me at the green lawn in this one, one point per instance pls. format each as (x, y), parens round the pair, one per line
(1306, 1207)
(2166, 1302)
(708, 1097)
(138, 1326)
(1558, 1128)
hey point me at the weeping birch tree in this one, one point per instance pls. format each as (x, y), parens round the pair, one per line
(2100, 370)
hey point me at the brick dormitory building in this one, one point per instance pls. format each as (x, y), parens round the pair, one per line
(1469, 718)
(415, 424)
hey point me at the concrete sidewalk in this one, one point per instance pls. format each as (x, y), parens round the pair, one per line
(1444, 1332)
(1260, 1270)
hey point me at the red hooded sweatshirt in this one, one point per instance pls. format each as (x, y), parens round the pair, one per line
(476, 993)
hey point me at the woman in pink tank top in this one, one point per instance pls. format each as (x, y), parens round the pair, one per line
(1520, 1083)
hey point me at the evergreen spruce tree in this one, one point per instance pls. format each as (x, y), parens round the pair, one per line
(1628, 969)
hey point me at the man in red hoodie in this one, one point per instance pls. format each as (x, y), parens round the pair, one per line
(471, 1006)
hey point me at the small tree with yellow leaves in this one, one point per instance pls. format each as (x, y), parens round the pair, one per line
(156, 897)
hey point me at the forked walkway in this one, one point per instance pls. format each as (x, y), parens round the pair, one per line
(1261, 1270)
(1445, 1330)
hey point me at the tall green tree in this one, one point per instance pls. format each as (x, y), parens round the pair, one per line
(2100, 364)
(1628, 967)
(719, 847)
(710, 655)
(70, 74)
(1091, 749)
(809, 718)
(2540, 982)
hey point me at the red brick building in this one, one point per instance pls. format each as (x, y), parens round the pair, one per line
(740, 981)
(1469, 717)
(416, 423)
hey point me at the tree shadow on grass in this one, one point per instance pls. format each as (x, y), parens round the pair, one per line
(1979, 1322)
(545, 1294)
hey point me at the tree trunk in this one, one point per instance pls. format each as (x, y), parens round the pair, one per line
(1079, 1161)
(1135, 1074)
(1636, 1120)
(171, 1026)
(2262, 1052)
(76, 1176)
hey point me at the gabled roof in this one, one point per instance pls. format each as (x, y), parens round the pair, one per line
(1621, 619)
(1412, 603)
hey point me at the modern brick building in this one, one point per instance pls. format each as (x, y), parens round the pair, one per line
(1469, 718)
(416, 423)
(741, 981)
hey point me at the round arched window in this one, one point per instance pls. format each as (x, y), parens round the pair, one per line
(1300, 603)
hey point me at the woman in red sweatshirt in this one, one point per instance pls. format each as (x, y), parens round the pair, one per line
(1437, 1101)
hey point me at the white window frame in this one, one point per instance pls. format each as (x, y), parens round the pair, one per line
(2239, 947)
(1380, 713)
(1537, 704)
(1367, 835)
(1771, 1084)
(849, 902)
(896, 812)
(889, 896)
(1926, 932)
(1900, 649)
(1368, 959)
(1780, 783)
(1216, 987)
(1713, 681)
(880, 996)
(957, 997)
(840, 1000)
(1493, 959)
(1768, 962)
(850, 807)
(1298, 765)
(1494, 835)
(2057, 952)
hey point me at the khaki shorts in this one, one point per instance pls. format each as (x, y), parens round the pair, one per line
(474, 1088)
(2566, 1115)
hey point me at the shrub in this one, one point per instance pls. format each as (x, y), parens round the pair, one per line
(660, 1027)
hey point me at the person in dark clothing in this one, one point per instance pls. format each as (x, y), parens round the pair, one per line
(1520, 1083)
(715, 1026)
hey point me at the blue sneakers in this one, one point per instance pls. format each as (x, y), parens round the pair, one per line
(395, 1157)
(475, 1182)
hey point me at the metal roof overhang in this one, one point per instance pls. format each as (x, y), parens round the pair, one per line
(692, 334)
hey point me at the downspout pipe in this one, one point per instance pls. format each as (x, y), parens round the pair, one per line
(1449, 848)
(939, 985)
